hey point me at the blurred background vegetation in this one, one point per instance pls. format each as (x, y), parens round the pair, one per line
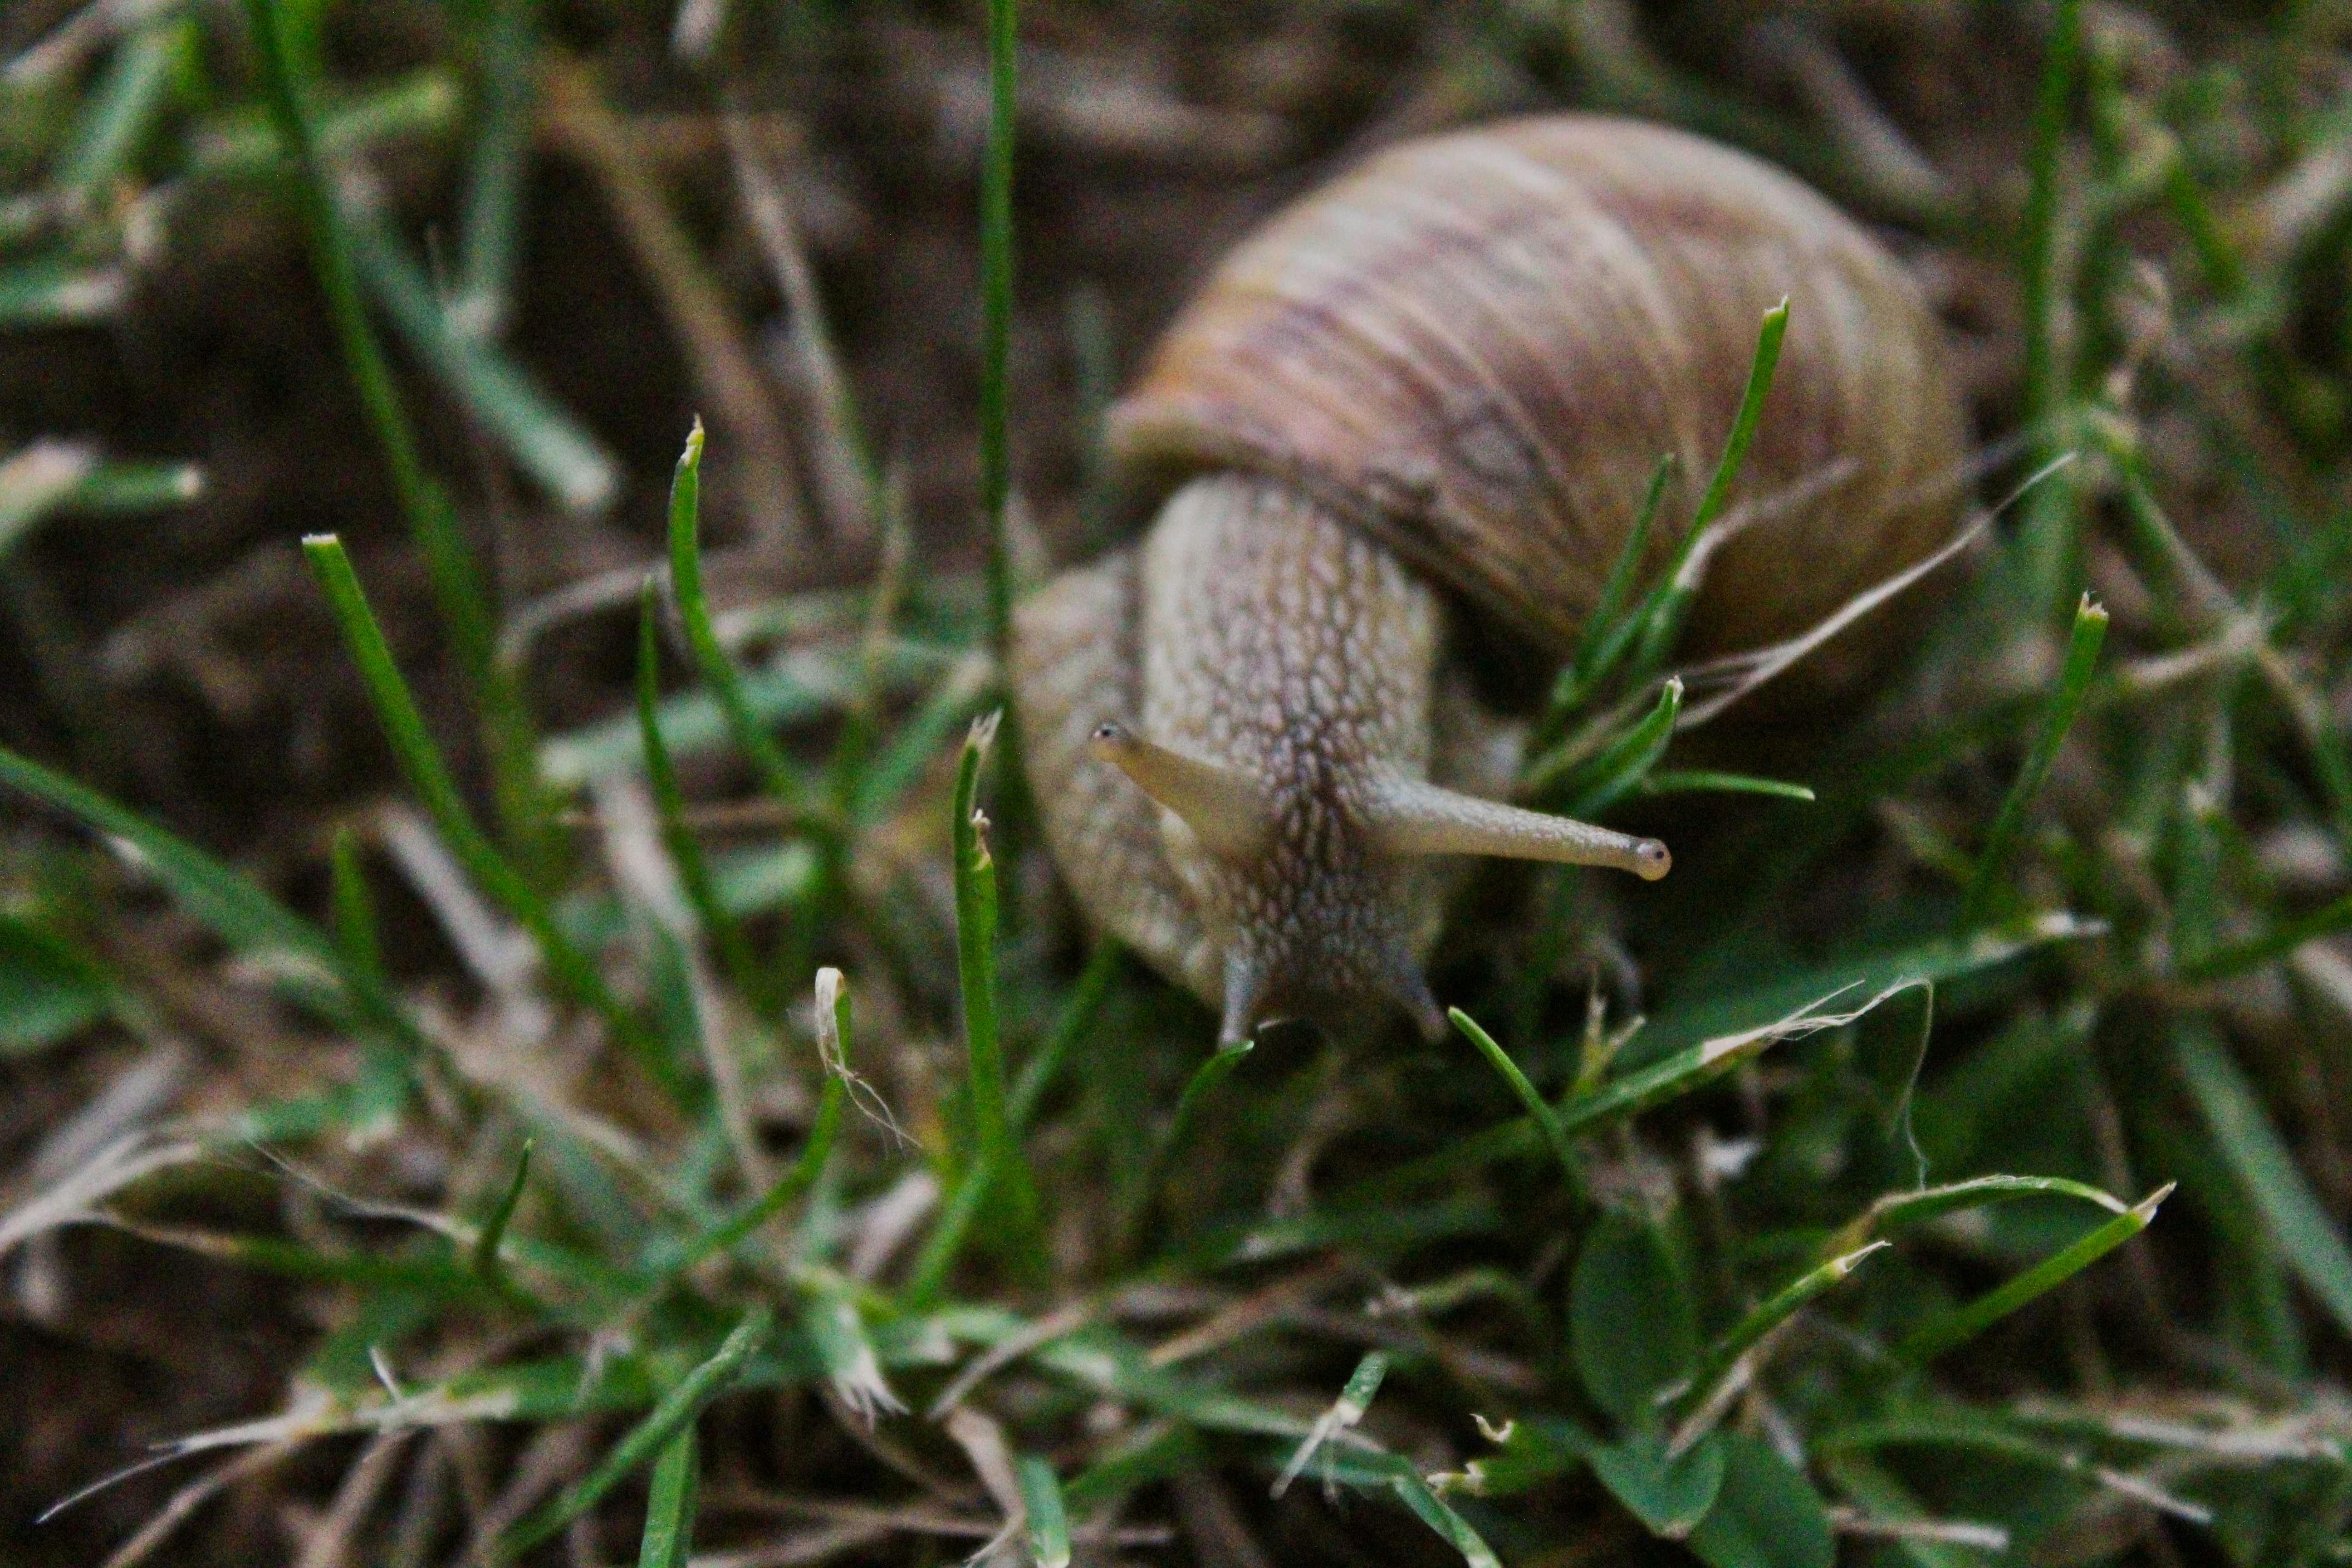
(418, 1079)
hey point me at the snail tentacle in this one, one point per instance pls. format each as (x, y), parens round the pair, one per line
(1225, 808)
(1413, 817)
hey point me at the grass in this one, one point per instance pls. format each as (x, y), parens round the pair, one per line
(465, 603)
(1703, 1242)
(2082, 645)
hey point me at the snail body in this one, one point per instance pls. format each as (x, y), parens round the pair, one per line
(1434, 389)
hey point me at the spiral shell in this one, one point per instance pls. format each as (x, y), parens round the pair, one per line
(1477, 346)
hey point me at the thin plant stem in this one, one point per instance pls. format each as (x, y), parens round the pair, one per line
(2325, 921)
(485, 1257)
(508, 733)
(1077, 1015)
(1959, 1327)
(1014, 805)
(775, 770)
(494, 180)
(1554, 1135)
(995, 1162)
(1768, 1315)
(1609, 631)
(2065, 703)
(2046, 544)
(675, 1414)
(669, 803)
(420, 764)
(1669, 604)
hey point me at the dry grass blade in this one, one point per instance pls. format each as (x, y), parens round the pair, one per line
(649, 882)
(742, 404)
(332, 1543)
(845, 472)
(75, 1197)
(1059, 1323)
(194, 1495)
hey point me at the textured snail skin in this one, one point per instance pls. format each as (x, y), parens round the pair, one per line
(1452, 369)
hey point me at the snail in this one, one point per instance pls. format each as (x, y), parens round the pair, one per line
(1433, 390)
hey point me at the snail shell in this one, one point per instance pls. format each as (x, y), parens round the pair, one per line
(1457, 364)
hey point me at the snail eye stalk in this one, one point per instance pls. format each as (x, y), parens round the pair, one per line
(1411, 816)
(1225, 809)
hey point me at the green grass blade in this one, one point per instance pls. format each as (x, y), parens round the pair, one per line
(50, 990)
(815, 1155)
(457, 589)
(420, 764)
(1705, 781)
(1783, 1304)
(1049, 1521)
(791, 688)
(1077, 1015)
(1362, 1387)
(224, 901)
(976, 910)
(435, 1273)
(672, 1415)
(1387, 1230)
(1095, 362)
(2312, 1244)
(900, 765)
(2074, 681)
(718, 672)
(1627, 760)
(832, 1006)
(119, 110)
(1554, 1135)
(1957, 1327)
(1664, 611)
(669, 805)
(1204, 1081)
(995, 1162)
(492, 228)
(668, 1539)
(1451, 1527)
(1701, 1064)
(464, 604)
(1760, 369)
(1197, 1090)
(486, 1260)
(416, 107)
(2325, 921)
(545, 441)
(355, 928)
(1899, 1212)
(1600, 750)
(131, 489)
(1595, 654)
(1609, 631)
(2046, 550)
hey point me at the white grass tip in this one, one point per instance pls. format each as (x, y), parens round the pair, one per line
(1847, 1263)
